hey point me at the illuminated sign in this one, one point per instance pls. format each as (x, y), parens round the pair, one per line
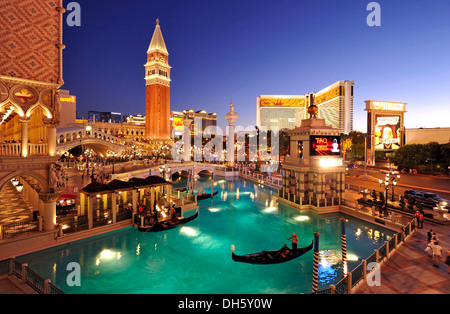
(328, 95)
(178, 124)
(385, 105)
(282, 102)
(387, 132)
(71, 99)
(325, 145)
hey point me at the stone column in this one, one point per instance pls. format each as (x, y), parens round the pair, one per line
(114, 206)
(231, 117)
(24, 140)
(51, 139)
(105, 201)
(134, 201)
(82, 204)
(90, 209)
(49, 209)
(342, 175)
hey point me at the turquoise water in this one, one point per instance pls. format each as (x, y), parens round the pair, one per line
(196, 258)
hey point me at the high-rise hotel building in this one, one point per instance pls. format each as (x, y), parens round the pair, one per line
(335, 104)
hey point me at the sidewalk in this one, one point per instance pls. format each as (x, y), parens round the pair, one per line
(410, 270)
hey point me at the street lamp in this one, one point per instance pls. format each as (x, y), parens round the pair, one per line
(390, 181)
(112, 154)
(163, 171)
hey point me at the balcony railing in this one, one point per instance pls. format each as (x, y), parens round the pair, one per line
(15, 149)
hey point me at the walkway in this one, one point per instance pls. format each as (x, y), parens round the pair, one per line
(410, 269)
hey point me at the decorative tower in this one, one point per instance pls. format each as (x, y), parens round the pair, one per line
(157, 81)
(231, 117)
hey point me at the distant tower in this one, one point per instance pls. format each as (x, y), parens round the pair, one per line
(157, 81)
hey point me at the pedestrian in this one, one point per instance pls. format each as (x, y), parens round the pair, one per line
(416, 217)
(430, 234)
(420, 221)
(414, 223)
(437, 250)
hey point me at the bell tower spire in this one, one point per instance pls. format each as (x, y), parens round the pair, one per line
(157, 81)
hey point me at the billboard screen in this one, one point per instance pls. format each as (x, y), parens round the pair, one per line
(325, 145)
(387, 132)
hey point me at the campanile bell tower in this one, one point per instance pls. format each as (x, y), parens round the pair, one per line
(157, 81)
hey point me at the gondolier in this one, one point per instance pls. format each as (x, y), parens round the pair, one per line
(294, 239)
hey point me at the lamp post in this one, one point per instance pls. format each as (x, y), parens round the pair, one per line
(390, 181)
(112, 154)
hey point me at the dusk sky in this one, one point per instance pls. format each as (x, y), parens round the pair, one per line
(237, 50)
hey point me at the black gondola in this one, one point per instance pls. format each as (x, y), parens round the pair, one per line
(206, 195)
(166, 225)
(269, 257)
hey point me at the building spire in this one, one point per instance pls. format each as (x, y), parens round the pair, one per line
(157, 42)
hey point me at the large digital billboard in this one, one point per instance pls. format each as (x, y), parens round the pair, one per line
(387, 132)
(325, 145)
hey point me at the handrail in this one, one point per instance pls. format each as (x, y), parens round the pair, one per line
(31, 278)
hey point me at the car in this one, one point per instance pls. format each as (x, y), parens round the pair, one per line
(427, 199)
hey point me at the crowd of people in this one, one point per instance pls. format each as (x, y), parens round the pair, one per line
(434, 250)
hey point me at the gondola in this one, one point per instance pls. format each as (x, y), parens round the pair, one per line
(205, 196)
(166, 225)
(269, 257)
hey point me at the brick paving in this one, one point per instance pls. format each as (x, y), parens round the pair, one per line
(410, 270)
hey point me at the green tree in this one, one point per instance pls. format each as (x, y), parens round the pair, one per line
(410, 156)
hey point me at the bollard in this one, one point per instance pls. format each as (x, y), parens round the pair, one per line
(344, 247)
(24, 271)
(332, 289)
(316, 263)
(46, 286)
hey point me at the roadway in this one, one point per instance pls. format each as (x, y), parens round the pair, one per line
(426, 183)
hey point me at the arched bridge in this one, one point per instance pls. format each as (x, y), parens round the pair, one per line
(101, 142)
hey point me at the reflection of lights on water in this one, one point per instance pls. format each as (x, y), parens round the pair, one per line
(107, 255)
(352, 257)
(138, 249)
(213, 210)
(189, 231)
(301, 218)
(358, 232)
(270, 209)
(327, 259)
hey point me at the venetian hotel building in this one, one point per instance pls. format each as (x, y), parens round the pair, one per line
(335, 104)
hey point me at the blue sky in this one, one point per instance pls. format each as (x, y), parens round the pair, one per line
(237, 50)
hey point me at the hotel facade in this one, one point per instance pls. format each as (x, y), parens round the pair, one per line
(335, 104)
